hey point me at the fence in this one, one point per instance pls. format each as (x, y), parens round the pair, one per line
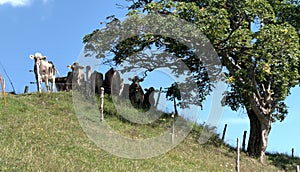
(244, 148)
(3, 89)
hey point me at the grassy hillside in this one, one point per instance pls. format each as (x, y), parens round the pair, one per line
(40, 132)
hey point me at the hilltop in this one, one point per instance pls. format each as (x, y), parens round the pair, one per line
(41, 132)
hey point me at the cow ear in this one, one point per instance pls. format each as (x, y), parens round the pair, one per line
(81, 67)
(44, 58)
(142, 79)
(31, 56)
(146, 89)
(130, 79)
(69, 66)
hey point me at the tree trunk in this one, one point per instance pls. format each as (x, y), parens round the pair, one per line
(258, 139)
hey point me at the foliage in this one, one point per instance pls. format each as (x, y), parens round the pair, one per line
(256, 41)
(254, 60)
(143, 42)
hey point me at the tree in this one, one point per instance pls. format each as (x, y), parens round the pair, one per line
(261, 65)
(173, 94)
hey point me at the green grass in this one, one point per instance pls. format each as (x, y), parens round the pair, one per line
(41, 132)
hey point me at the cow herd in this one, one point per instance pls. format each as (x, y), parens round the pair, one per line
(85, 79)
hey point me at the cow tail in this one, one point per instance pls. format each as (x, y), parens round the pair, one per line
(54, 69)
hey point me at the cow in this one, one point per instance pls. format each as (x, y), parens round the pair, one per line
(76, 77)
(125, 92)
(69, 81)
(113, 82)
(61, 83)
(94, 81)
(88, 83)
(149, 98)
(97, 82)
(136, 93)
(44, 71)
(64, 83)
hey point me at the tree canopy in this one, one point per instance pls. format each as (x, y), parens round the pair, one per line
(256, 41)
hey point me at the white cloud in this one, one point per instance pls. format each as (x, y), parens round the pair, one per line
(22, 3)
(15, 3)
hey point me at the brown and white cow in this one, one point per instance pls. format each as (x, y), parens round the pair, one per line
(44, 71)
(88, 82)
(136, 93)
(113, 82)
(149, 100)
(77, 76)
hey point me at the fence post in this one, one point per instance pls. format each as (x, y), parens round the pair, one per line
(173, 127)
(26, 89)
(244, 141)
(298, 168)
(224, 132)
(101, 104)
(157, 100)
(293, 151)
(238, 155)
(2, 82)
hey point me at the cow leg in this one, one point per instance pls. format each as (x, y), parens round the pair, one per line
(38, 77)
(39, 85)
(47, 84)
(53, 83)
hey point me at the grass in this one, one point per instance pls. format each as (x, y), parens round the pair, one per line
(41, 132)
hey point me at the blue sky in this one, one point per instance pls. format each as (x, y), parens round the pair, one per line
(56, 28)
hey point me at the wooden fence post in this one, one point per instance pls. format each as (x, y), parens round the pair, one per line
(101, 104)
(26, 89)
(244, 141)
(238, 155)
(173, 127)
(293, 151)
(158, 97)
(3, 89)
(224, 132)
(298, 168)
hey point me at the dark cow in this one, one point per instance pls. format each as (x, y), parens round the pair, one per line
(149, 98)
(136, 93)
(113, 82)
(97, 81)
(94, 81)
(64, 83)
(44, 71)
(61, 83)
(69, 81)
(125, 92)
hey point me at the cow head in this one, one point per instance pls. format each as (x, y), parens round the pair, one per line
(75, 66)
(150, 90)
(37, 57)
(136, 82)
